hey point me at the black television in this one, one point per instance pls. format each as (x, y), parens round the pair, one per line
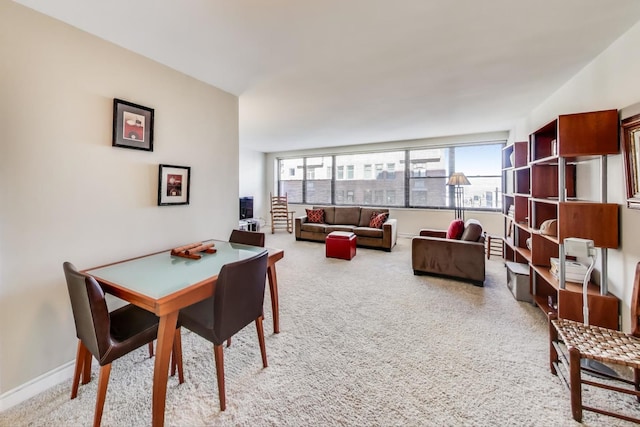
(246, 207)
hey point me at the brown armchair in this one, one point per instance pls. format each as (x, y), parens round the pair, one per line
(433, 253)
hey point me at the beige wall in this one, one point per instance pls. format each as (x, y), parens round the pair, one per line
(67, 194)
(609, 81)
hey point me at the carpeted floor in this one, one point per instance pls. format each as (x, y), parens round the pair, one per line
(362, 343)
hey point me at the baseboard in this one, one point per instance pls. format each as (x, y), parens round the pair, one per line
(36, 386)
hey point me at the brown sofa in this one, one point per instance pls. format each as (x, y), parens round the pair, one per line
(349, 218)
(432, 253)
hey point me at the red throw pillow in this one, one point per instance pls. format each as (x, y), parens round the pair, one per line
(315, 215)
(456, 228)
(377, 220)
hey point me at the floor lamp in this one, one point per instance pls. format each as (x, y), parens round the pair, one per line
(457, 179)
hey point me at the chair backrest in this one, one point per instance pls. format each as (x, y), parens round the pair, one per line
(635, 303)
(239, 296)
(90, 312)
(247, 238)
(279, 203)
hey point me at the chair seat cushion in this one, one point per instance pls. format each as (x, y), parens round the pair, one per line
(131, 327)
(198, 318)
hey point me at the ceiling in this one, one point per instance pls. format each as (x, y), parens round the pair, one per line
(339, 72)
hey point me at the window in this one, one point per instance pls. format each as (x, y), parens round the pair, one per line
(378, 170)
(318, 183)
(391, 197)
(367, 197)
(291, 182)
(378, 178)
(368, 172)
(391, 170)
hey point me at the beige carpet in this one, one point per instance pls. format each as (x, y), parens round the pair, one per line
(363, 343)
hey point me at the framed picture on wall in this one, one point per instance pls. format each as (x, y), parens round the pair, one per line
(132, 125)
(173, 185)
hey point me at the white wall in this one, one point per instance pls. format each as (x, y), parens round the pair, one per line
(67, 194)
(610, 81)
(252, 181)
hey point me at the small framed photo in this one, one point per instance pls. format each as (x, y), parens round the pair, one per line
(173, 185)
(132, 125)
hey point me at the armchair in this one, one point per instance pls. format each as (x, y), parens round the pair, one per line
(433, 253)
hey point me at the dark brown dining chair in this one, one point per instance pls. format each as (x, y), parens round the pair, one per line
(593, 343)
(106, 335)
(252, 238)
(246, 238)
(237, 301)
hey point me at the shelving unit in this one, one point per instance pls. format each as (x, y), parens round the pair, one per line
(540, 184)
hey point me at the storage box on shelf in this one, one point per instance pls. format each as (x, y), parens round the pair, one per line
(553, 153)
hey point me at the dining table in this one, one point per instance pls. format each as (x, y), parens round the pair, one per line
(163, 283)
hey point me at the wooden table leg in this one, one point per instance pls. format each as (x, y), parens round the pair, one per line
(166, 332)
(273, 289)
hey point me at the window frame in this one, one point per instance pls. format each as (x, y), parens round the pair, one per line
(346, 172)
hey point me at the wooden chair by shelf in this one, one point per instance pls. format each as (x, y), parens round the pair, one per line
(281, 216)
(593, 343)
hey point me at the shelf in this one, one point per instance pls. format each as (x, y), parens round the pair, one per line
(533, 188)
(543, 304)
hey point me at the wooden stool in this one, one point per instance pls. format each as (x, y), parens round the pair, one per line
(494, 246)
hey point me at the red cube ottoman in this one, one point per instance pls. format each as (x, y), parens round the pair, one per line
(341, 244)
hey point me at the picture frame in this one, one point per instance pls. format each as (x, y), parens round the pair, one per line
(630, 132)
(132, 125)
(174, 183)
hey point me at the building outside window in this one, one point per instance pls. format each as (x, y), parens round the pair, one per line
(378, 178)
(367, 197)
(318, 184)
(350, 172)
(290, 183)
(368, 172)
(391, 170)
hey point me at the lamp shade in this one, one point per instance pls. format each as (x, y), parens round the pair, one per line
(458, 178)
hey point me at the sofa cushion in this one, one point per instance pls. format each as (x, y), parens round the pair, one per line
(347, 215)
(368, 232)
(312, 227)
(377, 220)
(338, 227)
(315, 216)
(456, 228)
(472, 231)
(329, 213)
(366, 213)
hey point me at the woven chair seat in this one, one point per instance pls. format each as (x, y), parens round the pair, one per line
(601, 344)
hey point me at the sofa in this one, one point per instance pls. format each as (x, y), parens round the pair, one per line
(459, 254)
(348, 218)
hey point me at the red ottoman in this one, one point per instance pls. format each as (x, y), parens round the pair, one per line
(341, 244)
